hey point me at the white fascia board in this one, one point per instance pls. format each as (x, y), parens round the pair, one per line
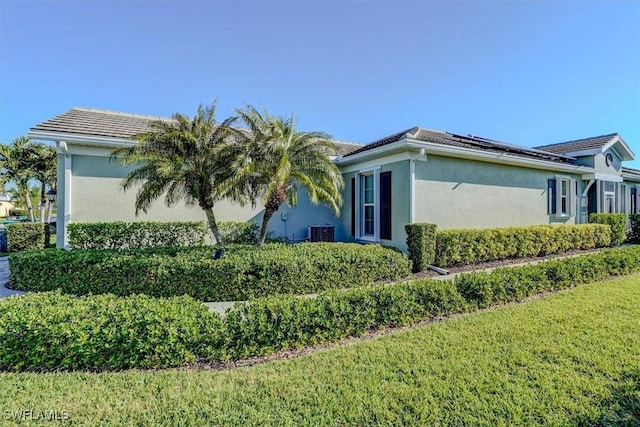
(373, 153)
(501, 158)
(630, 177)
(375, 163)
(582, 153)
(409, 145)
(602, 177)
(627, 155)
(70, 138)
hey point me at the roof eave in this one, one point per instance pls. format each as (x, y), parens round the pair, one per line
(625, 153)
(409, 144)
(91, 140)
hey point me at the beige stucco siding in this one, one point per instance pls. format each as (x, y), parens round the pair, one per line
(97, 196)
(400, 211)
(457, 193)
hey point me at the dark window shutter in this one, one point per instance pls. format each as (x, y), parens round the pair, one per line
(552, 196)
(385, 205)
(353, 206)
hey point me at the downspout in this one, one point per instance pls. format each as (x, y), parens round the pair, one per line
(68, 174)
(412, 183)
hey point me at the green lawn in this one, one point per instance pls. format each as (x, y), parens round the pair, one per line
(570, 359)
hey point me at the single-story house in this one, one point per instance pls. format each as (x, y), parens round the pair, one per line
(418, 175)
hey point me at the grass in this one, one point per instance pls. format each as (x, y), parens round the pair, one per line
(572, 358)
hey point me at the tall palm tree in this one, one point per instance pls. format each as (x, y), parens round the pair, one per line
(16, 166)
(277, 159)
(44, 169)
(183, 159)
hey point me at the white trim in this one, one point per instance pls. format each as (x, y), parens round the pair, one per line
(412, 191)
(392, 158)
(375, 172)
(602, 177)
(68, 175)
(97, 141)
(614, 141)
(501, 158)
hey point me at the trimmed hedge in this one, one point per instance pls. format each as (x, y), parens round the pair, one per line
(239, 232)
(243, 272)
(634, 232)
(27, 236)
(421, 244)
(463, 247)
(617, 222)
(136, 235)
(54, 331)
(267, 325)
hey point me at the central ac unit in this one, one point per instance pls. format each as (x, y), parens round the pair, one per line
(322, 233)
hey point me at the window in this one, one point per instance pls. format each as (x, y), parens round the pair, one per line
(609, 193)
(371, 206)
(634, 192)
(561, 199)
(367, 196)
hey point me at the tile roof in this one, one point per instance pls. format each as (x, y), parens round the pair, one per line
(631, 171)
(93, 122)
(114, 124)
(584, 144)
(460, 141)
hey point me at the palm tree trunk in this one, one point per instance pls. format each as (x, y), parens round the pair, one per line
(274, 201)
(27, 197)
(268, 213)
(43, 203)
(213, 226)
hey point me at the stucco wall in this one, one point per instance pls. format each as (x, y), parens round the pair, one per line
(457, 193)
(97, 196)
(400, 213)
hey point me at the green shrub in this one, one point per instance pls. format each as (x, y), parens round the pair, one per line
(463, 247)
(421, 244)
(267, 325)
(135, 235)
(634, 232)
(27, 236)
(18, 212)
(54, 331)
(514, 283)
(617, 222)
(239, 232)
(243, 272)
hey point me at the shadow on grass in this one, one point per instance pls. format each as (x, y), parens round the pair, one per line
(621, 409)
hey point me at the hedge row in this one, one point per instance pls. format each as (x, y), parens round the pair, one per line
(243, 272)
(135, 235)
(463, 247)
(239, 232)
(27, 236)
(421, 244)
(634, 232)
(55, 331)
(617, 222)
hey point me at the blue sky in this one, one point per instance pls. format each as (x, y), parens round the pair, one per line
(524, 72)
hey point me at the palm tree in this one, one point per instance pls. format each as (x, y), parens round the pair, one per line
(44, 169)
(277, 159)
(182, 159)
(16, 166)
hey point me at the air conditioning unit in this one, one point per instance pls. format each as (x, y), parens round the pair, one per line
(322, 233)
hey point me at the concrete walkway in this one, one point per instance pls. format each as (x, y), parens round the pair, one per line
(4, 278)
